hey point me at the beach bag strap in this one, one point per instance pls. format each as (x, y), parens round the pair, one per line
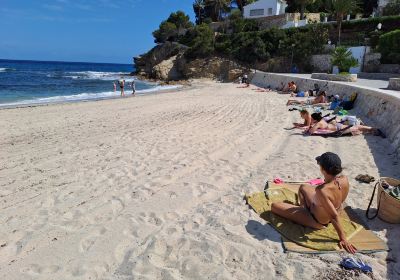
(370, 202)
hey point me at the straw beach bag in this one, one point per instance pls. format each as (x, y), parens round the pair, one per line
(388, 207)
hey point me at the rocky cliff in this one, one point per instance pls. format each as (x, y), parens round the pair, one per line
(167, 62)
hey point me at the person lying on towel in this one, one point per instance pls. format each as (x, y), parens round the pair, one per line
(322, 124)
(320, 99)
(319, 206)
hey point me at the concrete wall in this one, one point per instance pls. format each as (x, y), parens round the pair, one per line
(376, 107)
(321, 62)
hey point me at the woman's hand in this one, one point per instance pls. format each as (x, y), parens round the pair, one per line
(344, 244)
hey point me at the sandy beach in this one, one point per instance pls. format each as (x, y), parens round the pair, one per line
(152, 187)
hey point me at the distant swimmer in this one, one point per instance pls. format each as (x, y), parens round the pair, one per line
(122, 85)
(133, 86)
(115, 86)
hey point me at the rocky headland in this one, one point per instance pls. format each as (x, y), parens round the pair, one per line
(167, 62)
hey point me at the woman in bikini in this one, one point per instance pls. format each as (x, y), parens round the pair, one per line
(320, 206)
(333, 126)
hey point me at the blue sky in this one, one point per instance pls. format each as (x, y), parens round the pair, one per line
(82, 30)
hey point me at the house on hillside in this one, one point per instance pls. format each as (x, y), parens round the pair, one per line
(264, 8)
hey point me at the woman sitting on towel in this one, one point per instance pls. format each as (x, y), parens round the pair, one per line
(320, 99)
(333, 126)
(306, 116)
(320, 206)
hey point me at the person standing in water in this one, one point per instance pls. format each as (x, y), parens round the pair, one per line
(133, 85)
(122, 85)
(115, 87)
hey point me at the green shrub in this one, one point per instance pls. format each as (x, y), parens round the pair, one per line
(343, 59)
(389, 23)
(202, 44)
(389, 46)
(223, 45)
(166, 32)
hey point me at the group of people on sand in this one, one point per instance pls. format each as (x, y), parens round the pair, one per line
(347, 125)
(319, 206)
(121, 84)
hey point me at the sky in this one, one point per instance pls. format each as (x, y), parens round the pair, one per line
(111, 31)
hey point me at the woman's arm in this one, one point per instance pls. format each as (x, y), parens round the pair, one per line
(314, 128)
(331, 210)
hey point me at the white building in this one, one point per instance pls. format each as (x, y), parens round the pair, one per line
(264, 8)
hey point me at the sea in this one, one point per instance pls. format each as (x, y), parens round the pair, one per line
(41, 82)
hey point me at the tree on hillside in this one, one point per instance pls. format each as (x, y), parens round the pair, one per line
(198, 8)
(368, 6)
(342, 8)
(181, 21)
(303, 4)
(392, 8)
(173, 27)
(202, 43)
(217, 8)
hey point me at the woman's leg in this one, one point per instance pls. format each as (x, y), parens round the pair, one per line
(306, 193)
(293, 102)
(366, 129)
(296, 214)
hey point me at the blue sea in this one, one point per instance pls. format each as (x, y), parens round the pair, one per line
(41, 82)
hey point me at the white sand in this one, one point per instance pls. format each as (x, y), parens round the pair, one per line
(151, 188)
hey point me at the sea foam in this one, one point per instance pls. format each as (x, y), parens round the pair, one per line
(85, 96)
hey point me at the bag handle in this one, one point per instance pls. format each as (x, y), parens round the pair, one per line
(370, 202)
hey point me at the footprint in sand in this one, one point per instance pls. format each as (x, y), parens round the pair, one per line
(86, 243)
(37, 270)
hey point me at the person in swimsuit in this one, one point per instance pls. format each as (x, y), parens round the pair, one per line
(122, 85)
(320, 206)
(305, 115)
(337, 126)
(133, 86)
(320, 99)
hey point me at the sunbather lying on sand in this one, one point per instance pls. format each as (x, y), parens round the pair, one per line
(333, 126)
(320, 99)
(319, 206)
(306, 116)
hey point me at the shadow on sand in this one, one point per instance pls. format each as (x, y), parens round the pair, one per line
(262, 232)
(388, 166)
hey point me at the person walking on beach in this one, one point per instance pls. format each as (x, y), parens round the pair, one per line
(133, 86)
(122, 85)
(115, 87)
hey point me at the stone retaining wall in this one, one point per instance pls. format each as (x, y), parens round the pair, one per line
(377, 108)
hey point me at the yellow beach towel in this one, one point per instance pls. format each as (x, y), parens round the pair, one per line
(322, 240)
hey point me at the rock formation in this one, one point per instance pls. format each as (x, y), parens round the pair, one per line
(167, 62)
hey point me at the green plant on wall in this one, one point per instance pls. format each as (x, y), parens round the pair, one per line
(343, 59)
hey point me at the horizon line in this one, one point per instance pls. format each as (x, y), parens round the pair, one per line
(60, 61)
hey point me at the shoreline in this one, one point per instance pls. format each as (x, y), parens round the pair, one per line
(127, 95)
(153, 187)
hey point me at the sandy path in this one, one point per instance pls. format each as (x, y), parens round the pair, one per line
(152, 187)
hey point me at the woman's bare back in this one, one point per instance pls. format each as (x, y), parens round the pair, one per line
(336, 191)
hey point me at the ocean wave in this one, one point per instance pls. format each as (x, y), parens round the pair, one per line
(7, 69)
(94, 75)
(84, 96)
